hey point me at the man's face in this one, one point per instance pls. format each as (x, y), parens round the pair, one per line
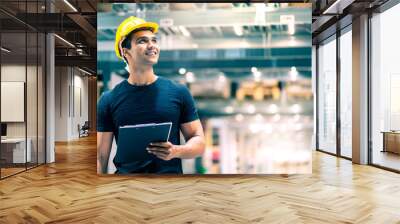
(145, 49)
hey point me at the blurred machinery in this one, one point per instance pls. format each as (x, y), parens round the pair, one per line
(265, 89)
(210, 89)
(300, 89)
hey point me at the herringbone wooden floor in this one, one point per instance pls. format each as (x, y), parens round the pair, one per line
(69, 191)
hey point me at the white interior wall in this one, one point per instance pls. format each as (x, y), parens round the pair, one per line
(80, 101)
(61, 103)
(70, 84)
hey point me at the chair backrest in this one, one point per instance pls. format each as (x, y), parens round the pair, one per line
(86, 125)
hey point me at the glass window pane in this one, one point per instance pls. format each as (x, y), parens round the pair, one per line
(14, 150)
(385, 89)
(41, 99)
(327, 97)
(346, 94)
(31, 97)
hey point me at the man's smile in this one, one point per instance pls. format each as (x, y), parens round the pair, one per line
(151, 53)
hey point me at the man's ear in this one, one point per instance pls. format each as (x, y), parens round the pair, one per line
(125, 52)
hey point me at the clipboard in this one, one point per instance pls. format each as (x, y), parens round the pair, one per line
(134, 139)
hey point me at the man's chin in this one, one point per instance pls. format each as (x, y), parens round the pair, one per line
(151, 62)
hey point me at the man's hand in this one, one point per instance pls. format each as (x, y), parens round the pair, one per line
(194, 146)
(163, 150)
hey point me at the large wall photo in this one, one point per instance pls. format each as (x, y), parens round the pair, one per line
(221, 88)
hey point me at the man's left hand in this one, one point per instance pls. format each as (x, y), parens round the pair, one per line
(163, 150)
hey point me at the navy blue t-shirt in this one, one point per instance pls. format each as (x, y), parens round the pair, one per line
(161, 101)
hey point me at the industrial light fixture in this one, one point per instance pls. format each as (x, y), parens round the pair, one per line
(269, 7)
(184, 31)
(221, 78)
(79, 51)
(182, 71)
(5, 49)
(332, 7)
(293, 73)
(64, 40)
(70, 5)
(229, 109)
(190, 77)
(238, 30)
(296, 108)
(291, 28)
(84, 71)
(239, 117)
(257, 76)
(251, 109)
(259, 18)
(273, 108)
(289, 20)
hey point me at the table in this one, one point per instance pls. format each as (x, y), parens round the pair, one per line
(13, 150)
(391, 141)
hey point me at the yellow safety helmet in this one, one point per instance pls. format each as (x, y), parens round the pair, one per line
(127, 26)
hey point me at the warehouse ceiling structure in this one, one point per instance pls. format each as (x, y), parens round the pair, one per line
(229, 37)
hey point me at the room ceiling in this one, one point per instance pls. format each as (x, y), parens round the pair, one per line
(78, 28)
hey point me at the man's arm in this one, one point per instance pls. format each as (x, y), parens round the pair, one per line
(104, 143)
(194, 136)
(194, 147)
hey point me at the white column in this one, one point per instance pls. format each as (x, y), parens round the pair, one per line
(50, 101)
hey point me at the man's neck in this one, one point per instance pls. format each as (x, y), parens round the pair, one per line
(142, 76)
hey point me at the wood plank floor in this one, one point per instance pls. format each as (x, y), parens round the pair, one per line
(10, 171)
(387, 159)
(69, 191)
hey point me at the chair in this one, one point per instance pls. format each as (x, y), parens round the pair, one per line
(84, 130)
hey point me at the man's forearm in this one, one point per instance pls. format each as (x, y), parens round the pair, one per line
(193, 148)
(104, 142)
(102, 163)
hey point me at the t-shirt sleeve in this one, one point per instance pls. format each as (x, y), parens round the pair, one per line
(188, 109)
(104, 118)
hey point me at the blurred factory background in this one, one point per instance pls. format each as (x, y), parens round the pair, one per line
(248, 66)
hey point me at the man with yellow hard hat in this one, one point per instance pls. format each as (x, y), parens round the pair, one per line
(146, 98)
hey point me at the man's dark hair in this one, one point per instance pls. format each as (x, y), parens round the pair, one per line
(126, 43)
